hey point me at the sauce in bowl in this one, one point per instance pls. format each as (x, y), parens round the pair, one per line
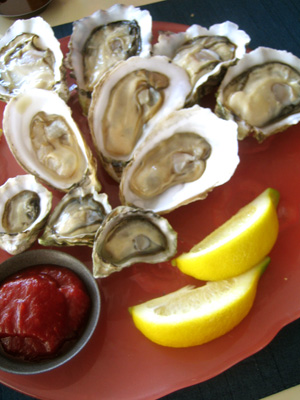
(41, 308)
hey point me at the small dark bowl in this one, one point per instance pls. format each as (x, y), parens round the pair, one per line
(22, 8)
(58, 258)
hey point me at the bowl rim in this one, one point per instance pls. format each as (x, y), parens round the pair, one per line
(59, 258)
(28, 13)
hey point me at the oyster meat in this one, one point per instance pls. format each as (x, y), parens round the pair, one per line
(30, 56)
(76, 218)
(261, 93)
(46, 141)
(204, 53)
(24, 208)
(184, 157)
(130, 99)
(102, 39)
(131, 235)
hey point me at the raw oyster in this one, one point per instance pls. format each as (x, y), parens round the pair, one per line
(204, 53)
(76, 218)
(104, 38)
(131, 235)
(261, 93)
(182, 159)
(46, 141)
(24, 207)
(128, 101)
(30, 56)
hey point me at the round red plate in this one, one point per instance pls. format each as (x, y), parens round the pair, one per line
(120, 363)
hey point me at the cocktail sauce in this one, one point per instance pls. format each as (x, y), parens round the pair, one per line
(41, 308)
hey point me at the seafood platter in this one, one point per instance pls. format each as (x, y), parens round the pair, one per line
(125, 144)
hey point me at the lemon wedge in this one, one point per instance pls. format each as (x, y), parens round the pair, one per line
(193, 316)
(234, 247)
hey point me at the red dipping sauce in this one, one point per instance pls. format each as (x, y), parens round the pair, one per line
(41, 308)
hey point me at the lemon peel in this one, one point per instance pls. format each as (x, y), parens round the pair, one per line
(194, 316)
(234, 247)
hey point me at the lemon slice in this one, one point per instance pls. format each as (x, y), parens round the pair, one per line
(193, 316)
(241, 242)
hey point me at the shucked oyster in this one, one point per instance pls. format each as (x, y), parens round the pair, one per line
(30, 56)
(130, 99)
(183, 158)
(76, 218)
(204, 53)
(104, 38)
(46, 141)
(24, 208)
(131, 235)
(261, 93)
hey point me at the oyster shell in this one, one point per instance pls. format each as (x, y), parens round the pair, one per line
(46, 141)
(204, 53)
(24, 208)
(131, 235)
(102, 39)
(261, 93)
(30, 56)
(76, 218)
(128, 101)
(183, 158)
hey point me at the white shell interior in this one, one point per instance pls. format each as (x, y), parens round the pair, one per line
(83, 28)
(16, 123)
(174, 95)
(259, 56)
(220, 166)
(43, 30)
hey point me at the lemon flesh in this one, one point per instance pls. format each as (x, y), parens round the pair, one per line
(193, 316)
(241, 242)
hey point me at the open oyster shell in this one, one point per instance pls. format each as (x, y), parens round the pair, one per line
(102, 39)
(184, 157)
(261, 93)
(130, 99)
(46, 141)
(204, 53)
(24, 208)
(131, 235)
(30, 56)
(76, 218)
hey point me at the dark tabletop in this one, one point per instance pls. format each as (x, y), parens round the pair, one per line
(272, 23)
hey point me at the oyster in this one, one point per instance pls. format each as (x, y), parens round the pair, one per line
(24, 208)
(204, 53)
(46, 141)
(261, 93)
(102, 39)
(30, 56)
(130, 99)
(76, 218)
(183, 158)
(130, 235)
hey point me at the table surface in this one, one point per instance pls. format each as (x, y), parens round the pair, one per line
(274, 372)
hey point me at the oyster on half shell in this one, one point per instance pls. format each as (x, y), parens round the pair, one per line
(130, 99)
(46, 142)
(24, 208)
(102, 39)
(204, 53)
(76, 218)
(30, 56)
(184, 157)
(131, 235)
(261, 93)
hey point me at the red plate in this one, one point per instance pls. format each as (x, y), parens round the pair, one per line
(120, 363)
